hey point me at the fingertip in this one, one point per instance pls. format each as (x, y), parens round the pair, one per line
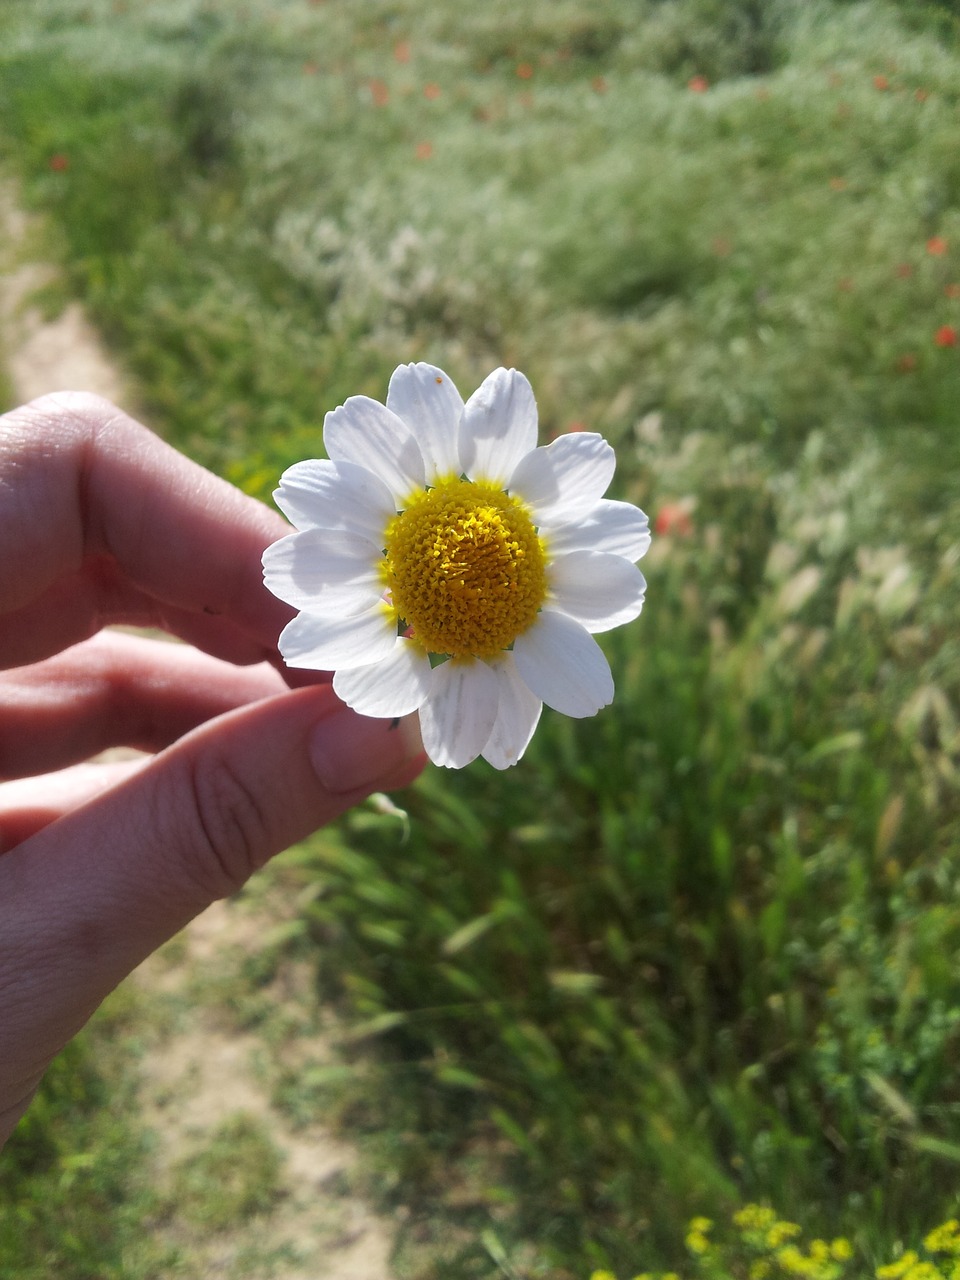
(350, 752)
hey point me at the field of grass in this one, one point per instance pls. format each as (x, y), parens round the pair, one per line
(699, 952)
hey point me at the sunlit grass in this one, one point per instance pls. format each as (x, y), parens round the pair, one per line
(698, 950)
(74, 1196)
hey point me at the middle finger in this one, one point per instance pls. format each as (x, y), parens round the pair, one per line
(116, 690)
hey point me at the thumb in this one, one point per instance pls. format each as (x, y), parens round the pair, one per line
(91, 895)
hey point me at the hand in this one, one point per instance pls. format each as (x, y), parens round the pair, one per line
(102, 523)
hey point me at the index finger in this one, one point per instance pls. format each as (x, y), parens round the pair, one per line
(81, 482)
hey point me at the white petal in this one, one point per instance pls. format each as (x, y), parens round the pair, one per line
(566, 479)
(598, 590)
(394, 687)
(562, 664)
(324, 571)
(459, 714)
(429, 403)
(318, 494)
(499, 426)
(366, 432)
(518, 712)
(325, 644)
(619, 528)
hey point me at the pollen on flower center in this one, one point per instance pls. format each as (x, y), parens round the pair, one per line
(465, 568)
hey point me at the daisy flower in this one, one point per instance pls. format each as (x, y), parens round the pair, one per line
(447, 565)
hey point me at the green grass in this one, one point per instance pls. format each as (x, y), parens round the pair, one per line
(233, 1177)
(698, 951)
(74, 1198)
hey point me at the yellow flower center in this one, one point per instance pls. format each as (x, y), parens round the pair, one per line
(465, 568)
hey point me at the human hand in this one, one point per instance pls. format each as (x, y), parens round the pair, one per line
(102, 523)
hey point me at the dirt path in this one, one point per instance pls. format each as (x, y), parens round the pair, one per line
(198, 1070)
(203, 1071)
(40, 354)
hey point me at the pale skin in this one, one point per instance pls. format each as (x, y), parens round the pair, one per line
(102, 523)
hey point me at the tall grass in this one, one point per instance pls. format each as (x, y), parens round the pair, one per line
(700, 949)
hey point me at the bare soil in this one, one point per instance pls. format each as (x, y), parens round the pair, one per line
(41, 353)
(202, 1071)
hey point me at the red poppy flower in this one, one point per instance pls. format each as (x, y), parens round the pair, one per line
(424, 150)
(379, 93)
(401, 51)
(937, 246)
(598, 84)
(952, 290)
(673, 519)
(946, 336)
(432, 91)
(881, 83)
(59, 162)
(525, 70)
(698, 84)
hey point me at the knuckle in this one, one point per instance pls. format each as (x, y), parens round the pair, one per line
(228, 836)
(85, 408)
(61, 418)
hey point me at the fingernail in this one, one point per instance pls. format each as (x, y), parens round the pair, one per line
(349, 751)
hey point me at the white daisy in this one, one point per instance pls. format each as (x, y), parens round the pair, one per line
(447, 565)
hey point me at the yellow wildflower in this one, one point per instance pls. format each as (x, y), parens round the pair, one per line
(697, 1242)
(796, 1263)
(895, 1270)
(945, 1238)
(754, 1217)
(841, 1249)
(780, 1233)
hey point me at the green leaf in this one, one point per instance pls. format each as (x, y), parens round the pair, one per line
(468, 933)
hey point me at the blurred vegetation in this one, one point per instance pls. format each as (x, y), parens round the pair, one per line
(235, 1175)
(74, 1197)
(699, 950)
